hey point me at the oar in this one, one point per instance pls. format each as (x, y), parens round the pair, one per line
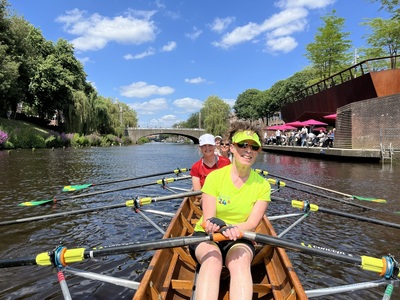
(105, 278)
(129, 203)
(332, 191)
(79, 254)
(70, 188)
(160, 181)
(385, 266)
(313, 207)
(326, 196)
(348, 288)
(284, 184)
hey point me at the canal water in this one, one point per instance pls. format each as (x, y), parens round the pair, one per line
(35, 175)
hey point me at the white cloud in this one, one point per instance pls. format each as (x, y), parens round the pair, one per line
(189, 104)
(282, 44)
(141, 89)
(150, 107)
(251, 30)
(231, 102)
(219, 25)
(297, 26)
(195, 34)
(96, 31)
(169, 47)
(148, 52)
(84, 60)
(311, 4)
(239, 35)
(165, 121)
(292, 19)
(196, 80)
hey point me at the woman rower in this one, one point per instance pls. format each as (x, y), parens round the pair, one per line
(207, 163)
(234, 199)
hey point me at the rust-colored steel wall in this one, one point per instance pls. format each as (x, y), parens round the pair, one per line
(370, 85)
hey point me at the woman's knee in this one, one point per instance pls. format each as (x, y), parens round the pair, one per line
(209, 253)
(239, 256)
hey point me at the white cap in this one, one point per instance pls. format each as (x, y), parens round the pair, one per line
(206, 139)
(218, 137)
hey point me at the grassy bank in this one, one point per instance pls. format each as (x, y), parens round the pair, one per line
(21, 134)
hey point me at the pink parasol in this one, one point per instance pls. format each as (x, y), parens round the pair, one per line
(281, 127)
(274, 127)
(295, 124)
(330, 117)
(313, 122)
(319, 128)
(286, 127)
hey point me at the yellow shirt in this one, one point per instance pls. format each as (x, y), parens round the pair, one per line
(234, 205)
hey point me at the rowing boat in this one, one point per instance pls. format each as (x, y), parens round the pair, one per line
(171, 273)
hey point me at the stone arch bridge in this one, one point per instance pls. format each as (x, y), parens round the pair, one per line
(136, 133)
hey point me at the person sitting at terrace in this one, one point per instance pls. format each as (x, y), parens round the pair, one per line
(311, 139)
(278, 137)
(321, 138)
(329, 138)
(303, 136)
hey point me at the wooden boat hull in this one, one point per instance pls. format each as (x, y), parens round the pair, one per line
(171, 273)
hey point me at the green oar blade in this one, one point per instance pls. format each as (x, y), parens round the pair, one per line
(370, 199)
(71, 188)
(35, 203)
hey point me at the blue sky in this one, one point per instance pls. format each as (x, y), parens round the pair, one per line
(164, 58)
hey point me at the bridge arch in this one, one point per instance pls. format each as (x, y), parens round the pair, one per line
(136, 133)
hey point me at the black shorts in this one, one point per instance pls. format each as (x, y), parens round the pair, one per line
(223, 246)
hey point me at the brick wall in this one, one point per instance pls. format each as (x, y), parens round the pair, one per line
(368, 123)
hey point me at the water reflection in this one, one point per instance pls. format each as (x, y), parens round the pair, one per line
(27, 175)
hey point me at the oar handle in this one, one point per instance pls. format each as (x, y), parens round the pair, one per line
(219, 237)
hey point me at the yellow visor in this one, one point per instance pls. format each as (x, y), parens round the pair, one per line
(245, 136)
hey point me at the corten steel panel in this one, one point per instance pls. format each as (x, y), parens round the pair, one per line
(387, 82)
(368, 86)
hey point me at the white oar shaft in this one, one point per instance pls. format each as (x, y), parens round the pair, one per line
(158, 212)
(63, 285)
(316, 186)
(345, 288)
(293, 225)
(271, 218)
(151, 222)
(105, 278)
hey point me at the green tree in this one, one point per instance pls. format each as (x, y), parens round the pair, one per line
(193, 121)
(391, 6)
(385, 38)
(216, 115)
(330, 51)
(248, 103)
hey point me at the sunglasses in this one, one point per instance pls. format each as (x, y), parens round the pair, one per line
(225, 144)
(245, 145)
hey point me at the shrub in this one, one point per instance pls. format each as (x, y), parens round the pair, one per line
(3, 138)
(53, 141)
(94, 140)
(143, 140)
(126, 140)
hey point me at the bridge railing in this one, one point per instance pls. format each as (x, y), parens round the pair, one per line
(363, 67)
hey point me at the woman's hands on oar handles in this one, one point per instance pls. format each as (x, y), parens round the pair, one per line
(216, 225)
